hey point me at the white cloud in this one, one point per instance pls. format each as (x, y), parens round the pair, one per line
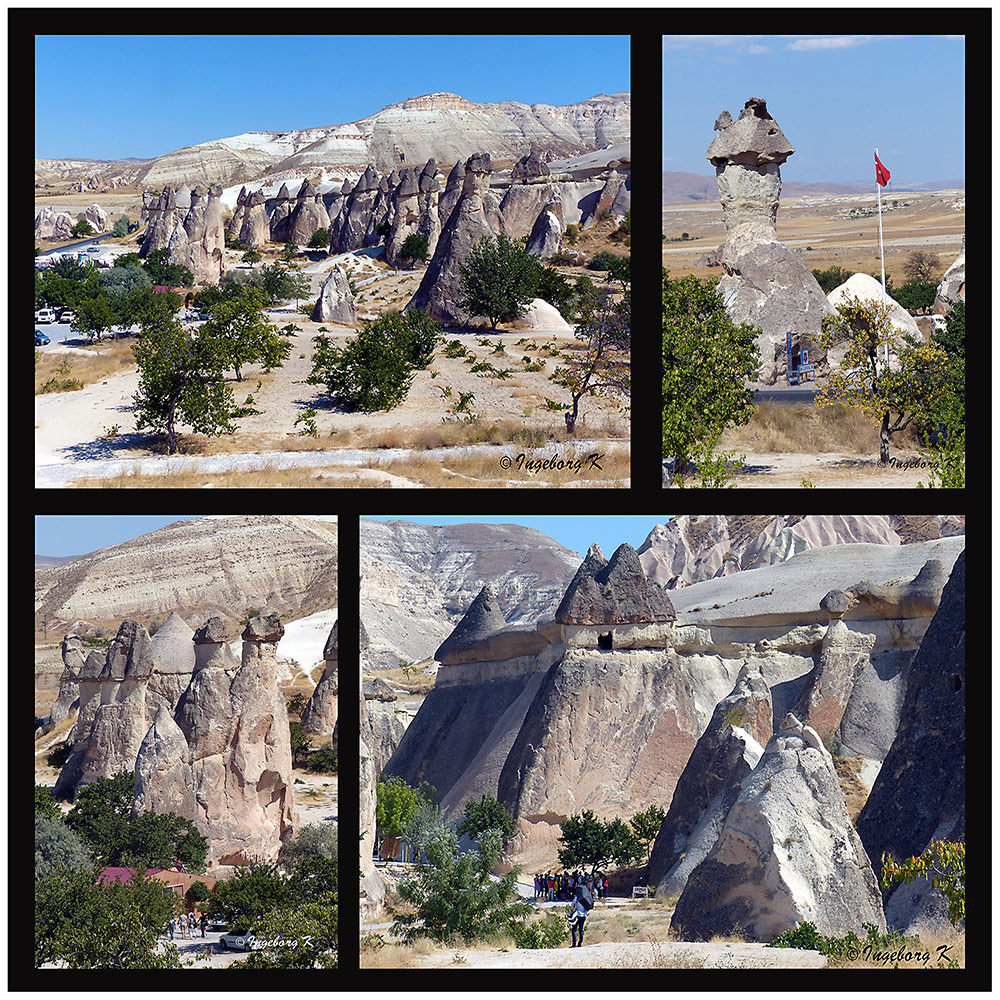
(812, 43)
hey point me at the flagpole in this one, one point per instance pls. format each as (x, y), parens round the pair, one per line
(881, 252)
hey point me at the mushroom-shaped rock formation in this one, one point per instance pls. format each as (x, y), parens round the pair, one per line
(764, 282)
(483, 618)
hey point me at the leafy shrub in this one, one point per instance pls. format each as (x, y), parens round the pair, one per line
(548, 933)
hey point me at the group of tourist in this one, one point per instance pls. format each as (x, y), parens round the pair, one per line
(562, 886)
(186, 924)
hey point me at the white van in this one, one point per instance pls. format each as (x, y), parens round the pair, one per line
(45, 316)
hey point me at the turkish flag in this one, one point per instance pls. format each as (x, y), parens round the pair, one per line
(881, 174)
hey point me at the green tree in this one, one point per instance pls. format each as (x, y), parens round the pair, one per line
(101, 815)
(290, 252)
(914, 389)
(374, 370)
(319, 240)
(94, 317)
(496, 279)
(120, 227)
(414, 248)
(83, 228)
(162, 272)
(707, 362)
(646, 825)
(241, 335)
(313, 839)
(182, 378)
(604, 367)
(395, 804)
(585, 842)
(624, 845)
(45, 804)
(915, 296)
(157, 840)
(486, 814)
(455, 896)
(831, 278)
(942, 864)
(57, 846)
(252, 256)
(251, 893)
(89, 925)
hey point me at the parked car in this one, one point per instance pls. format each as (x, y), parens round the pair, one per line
(241, 942)
(40, 338)
(45, 316)
(67, 316)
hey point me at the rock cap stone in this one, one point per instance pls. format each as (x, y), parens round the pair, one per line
(265, 627)
(481, 620)
(753, 139)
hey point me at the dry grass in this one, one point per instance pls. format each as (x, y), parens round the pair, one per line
(414, 680)
(812, 430)
(855, 792)
(111, 357)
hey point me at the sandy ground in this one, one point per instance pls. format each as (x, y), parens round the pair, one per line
(829, 469)
(70, 427)
(935, 221)
(630, 955)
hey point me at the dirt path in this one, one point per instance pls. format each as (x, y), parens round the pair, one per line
(630, 955)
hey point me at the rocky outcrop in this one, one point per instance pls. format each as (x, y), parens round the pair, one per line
(726, 752)
(613, 593)
(614, 199)
(429, 223)
(439, 291)
(452, 192)
(372, 890)
(256, 228)
(919, 794)
(543, 241)
(188, 222)
(417, 581)
(280, 217)
(235, 223)
(356, 214)
(406, 217)
(335, 303)
(764, 282)
(482, 619)
(224, 760)
(787, 853)
(952, 287)
(320, 715)
(113, 722)
(868, 289)
(68, 697)
(52, 225)
(309, 215)
(692, 548)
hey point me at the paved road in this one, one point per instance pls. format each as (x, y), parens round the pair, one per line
(789, 394)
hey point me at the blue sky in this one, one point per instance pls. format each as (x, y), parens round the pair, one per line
(78, 534)
(836, 97)
(262, 83)
(576, 532)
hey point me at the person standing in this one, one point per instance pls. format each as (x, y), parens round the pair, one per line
(583, 903)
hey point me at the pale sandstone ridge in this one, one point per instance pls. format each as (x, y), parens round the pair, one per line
(223, 759)
(209, 565)
(320, 715)
(764, 282)
(417, 581)
(692, 548)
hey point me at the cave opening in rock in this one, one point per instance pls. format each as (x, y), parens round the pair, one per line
(604, 641)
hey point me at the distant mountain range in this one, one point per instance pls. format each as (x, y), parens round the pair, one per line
(446, 127)
(41, 561)
(680, 187)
